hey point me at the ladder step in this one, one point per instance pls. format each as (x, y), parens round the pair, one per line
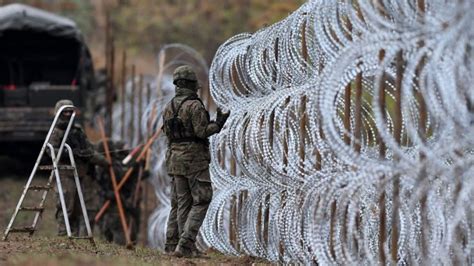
(60, 167)
(22, 230)
(39, 188)
(34, 209)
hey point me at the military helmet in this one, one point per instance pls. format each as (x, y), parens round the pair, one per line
(184, 72)
(62, 103)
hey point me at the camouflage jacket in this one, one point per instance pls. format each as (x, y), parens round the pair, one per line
(84, 153)
(127, 192)
(188, 157)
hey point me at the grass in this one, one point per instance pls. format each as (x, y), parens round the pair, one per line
(60, 251)
(54, 251)
(46, 249)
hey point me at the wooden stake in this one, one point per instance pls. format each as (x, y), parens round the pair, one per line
(347, 99)
(234, 210)
(131, 129)
(123, 94)
(302, 110)
(110, 98)
(140, 107)
(118, 200)
(358, 112)
(107, 45)
(148, 93)
(129, 172)
(266, 213)
(421, 6)
(397, 135)
(382, 152)
(347, 114)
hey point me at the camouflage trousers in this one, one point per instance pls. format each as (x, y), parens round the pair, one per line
(190, 198)
(73, 205)
(111, 226)
(91, 192)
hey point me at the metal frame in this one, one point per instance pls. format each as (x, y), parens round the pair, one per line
(54, 173)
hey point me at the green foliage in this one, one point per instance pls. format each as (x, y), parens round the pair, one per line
(145, 25)
(202, 24)
(81, 12)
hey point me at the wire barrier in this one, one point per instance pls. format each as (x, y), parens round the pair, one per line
(139, 115)
(351, 136)
(350, 140)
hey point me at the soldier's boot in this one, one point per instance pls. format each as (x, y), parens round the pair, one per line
(197, 253)
(61, 227)
(169, 249)
(82, 225)
(73, 224)
(172, 238)
(183, 251)
(62, 231)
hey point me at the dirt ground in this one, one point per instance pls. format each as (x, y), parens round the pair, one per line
(44, 248)
(59, 251)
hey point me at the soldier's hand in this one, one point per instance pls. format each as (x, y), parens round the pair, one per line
(98, 159)
(221, 117)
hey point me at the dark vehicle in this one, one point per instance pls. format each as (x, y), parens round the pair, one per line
(43, 58)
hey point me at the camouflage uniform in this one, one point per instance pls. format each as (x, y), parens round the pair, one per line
(84, 156)
(187, 162)
(91, 190)
(111, 227)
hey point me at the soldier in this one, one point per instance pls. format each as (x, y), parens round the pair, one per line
(91, 190)
(84, 156)
(187, 127)
(111, 227)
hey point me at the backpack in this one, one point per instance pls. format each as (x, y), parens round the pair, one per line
(174, 126)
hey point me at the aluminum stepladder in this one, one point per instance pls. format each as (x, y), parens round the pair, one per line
(54, 168)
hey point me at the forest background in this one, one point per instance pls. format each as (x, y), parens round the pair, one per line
(142, 27)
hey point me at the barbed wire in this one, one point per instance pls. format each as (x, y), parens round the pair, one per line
(350, 139)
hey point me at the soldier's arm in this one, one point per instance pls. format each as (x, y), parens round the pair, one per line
(56, 137)
(96, 157)
(55, 141)
(88, 152)
(202, 126)
(99, 159)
